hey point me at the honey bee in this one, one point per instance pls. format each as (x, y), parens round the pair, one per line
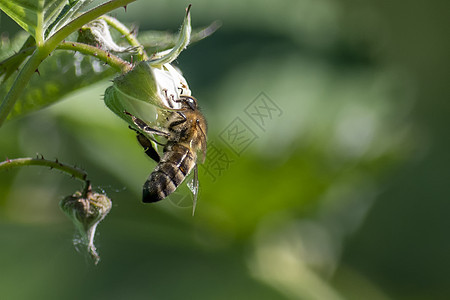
(185, 130)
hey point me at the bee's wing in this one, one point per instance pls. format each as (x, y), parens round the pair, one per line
(201, 152)
(193, 186)
(180, 198)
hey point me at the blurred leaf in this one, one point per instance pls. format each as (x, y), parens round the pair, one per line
(12, 63)
(9, 46)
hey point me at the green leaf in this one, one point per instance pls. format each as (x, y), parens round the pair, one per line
(69, 11)
(184, 37)
(61, 74)
(33, 16)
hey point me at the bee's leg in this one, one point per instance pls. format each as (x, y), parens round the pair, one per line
(189, 100)
(147, 145)
(145, 141)
(169, 99)
(144, 127)
(178, 122)
(147, 129)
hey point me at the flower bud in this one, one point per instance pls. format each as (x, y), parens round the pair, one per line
(86, 210)
(155, 82)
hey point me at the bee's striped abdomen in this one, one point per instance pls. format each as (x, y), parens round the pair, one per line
(176, 163)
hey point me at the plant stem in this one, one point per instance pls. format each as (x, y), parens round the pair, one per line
(122, 29)
(111, 59)
(28, 161)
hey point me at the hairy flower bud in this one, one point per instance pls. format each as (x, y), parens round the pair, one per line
(96, 33)
(86, 210)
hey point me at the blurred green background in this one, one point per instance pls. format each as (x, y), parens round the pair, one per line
(338, 190)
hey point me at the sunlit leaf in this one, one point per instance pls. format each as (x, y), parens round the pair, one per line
(69, 11)
(33, 16)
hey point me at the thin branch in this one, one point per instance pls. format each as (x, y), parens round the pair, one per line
(28, 161)
(111, 59)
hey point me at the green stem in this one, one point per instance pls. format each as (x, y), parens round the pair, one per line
(87, 189)
(112, 60)
(122, 29)
(20, 162)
